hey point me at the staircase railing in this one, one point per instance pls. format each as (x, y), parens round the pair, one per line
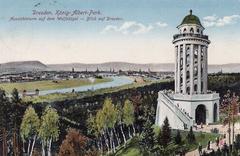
(180, 114)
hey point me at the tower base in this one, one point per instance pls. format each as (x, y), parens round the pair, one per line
(183, 111)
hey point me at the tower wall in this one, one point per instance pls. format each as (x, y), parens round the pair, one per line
(191, 53)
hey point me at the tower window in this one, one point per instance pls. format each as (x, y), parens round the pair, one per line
(188, 50)
(195, 87)
(196, 53)
(202, 69)
(184, 30)
(188, 59)
(191, 30)
(188, 90)
(195, 71)
(188, 74)
(197, 30)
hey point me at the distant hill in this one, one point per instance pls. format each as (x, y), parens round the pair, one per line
(13, 67)
(228, 68)
(22, 66)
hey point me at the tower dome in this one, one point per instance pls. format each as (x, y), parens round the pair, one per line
(191, 19)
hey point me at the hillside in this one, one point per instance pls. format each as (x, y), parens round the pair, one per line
(22, 66)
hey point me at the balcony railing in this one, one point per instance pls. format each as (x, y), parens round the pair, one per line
(190, 35)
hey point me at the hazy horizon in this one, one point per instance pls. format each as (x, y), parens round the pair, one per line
(105, 62)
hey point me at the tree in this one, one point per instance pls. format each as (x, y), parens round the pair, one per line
(128, 116)
(17, 110)
(237, 142)
(165, 136)
(110, 115)
(5, 119)
(119, 111)
(93, 130)
(49, 129)
(148, 137)
(15, 96)
(178, 138)
(230, 106)
(191, 137)
(101, 127)
(74, 144)
(29, 128)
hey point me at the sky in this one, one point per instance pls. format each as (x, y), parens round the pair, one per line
(140, 31)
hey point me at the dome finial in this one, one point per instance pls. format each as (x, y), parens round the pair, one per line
(190, 11)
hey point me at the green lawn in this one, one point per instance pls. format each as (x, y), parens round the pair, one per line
(133, 149)
(48, 84)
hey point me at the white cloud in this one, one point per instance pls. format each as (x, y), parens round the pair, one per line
(211, 21)
(133, 27)
(161, 24)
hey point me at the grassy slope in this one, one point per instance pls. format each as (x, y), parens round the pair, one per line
(132, 148)
(48, 85)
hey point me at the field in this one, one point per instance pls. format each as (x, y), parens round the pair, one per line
(48, 84)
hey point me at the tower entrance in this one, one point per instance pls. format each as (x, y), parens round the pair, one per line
(200, 114)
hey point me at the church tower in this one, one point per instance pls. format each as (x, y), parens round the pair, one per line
(191, 102)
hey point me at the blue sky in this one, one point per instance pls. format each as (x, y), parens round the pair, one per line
(147, 24)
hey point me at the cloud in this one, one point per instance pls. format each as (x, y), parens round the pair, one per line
(133, 27)
(161, 24)
(215, 21)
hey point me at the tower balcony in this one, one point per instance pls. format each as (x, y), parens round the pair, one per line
(200, 36)
(198, 97)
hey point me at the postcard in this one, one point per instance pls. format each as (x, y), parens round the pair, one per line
(119, 78)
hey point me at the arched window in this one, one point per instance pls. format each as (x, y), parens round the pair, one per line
(188, 50)
(195, 88)
(191, 30)
(195, 53)
(197, 30)
(188, 74)
(195, 71)
(188, 60)
(184, 30)
(188, 90)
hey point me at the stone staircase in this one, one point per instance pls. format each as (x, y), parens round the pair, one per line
(187, 120)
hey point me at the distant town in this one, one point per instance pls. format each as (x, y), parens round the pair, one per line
(67, 75)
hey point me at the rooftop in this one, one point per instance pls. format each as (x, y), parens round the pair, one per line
(191, 19)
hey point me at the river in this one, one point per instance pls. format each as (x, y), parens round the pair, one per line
(116, 81)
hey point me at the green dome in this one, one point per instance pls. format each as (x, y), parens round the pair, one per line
(191, 19)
